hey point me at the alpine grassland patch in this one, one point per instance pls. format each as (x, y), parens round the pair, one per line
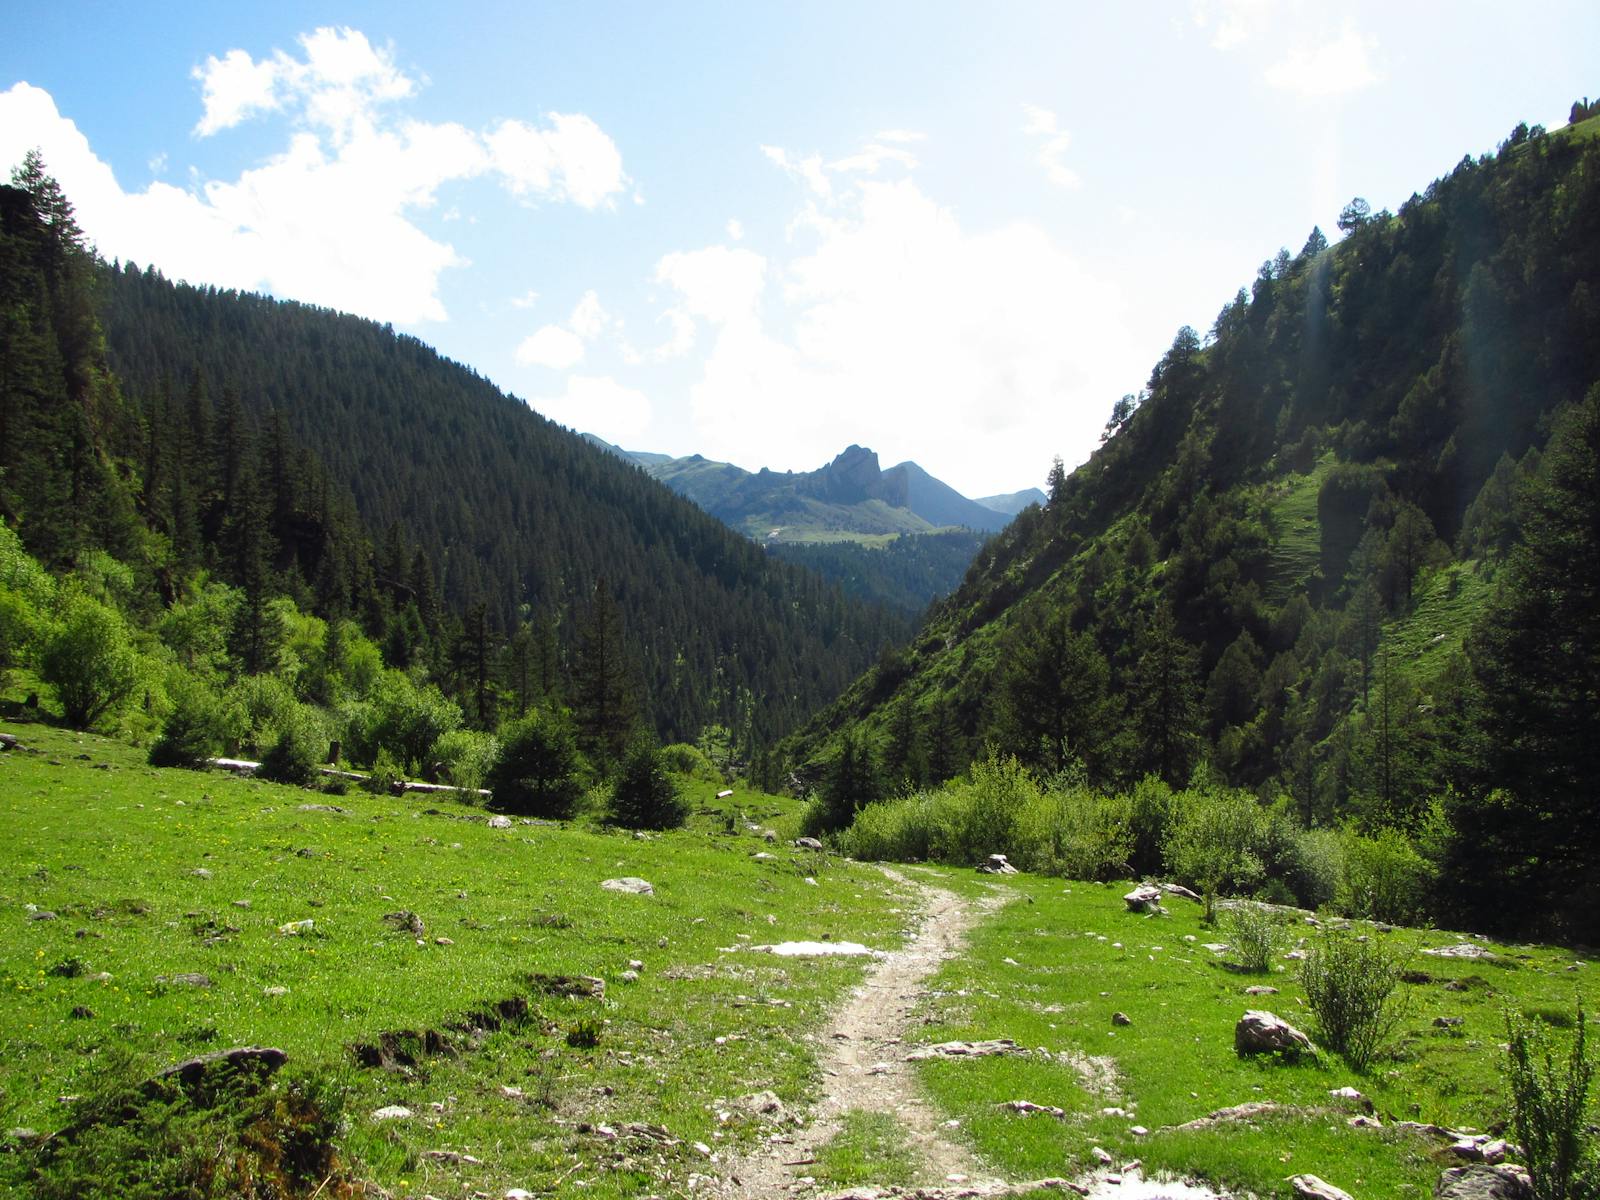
(1051, 969)
(172, 913)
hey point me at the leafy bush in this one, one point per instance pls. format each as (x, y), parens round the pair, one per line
(1385, 879)
(255, 711)
(466, 756)
(1215, 841)
(1349, 985)
(684, 759)
(1255, 934)
(1075, 832)
(385, 774)
(408, 720)
(193, 727)
(295, 756)
(1548, 1105)
(537, 771)
(89, 659)
(1316, 871)
(893, 830)
(1149, 812)
(645, 796)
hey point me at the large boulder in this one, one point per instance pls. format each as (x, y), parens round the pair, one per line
(1146, 898)
(996, 864)
(1261, 1032)
(1481, 1182)
(1312, 1188)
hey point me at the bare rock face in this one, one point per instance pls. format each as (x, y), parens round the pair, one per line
(1260, 1032)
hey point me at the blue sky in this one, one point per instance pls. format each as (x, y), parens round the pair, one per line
(955, 233)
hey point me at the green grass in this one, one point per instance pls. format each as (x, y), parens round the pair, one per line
(1297, 549)
(1447, 605)
(1176, 1062)
(114, 851)
(871, 1148)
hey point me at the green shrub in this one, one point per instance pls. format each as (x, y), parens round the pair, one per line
(1149, 813)
(537, 772)
(299, 750)
(191, 731)
(385, 774)
(683, 759)
(1385, 879)
(1073, 831)
(1255, 934)
(408, 720)
(1549, 1102)
(1316, 870)
(1349, 985)
(1215, 841)
(645, 796)
(893, 830)
(89, 659)
(255, 711)
(466, 756)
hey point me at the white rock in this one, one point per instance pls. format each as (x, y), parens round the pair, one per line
(392, 1112)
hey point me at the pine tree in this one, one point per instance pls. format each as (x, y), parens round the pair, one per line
(1166, 699)
(604, 696)
(1524, 847)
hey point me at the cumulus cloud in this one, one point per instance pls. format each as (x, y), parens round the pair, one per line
(1053, 143)
(1329, 68)
(331, 218)
(598, 404)
(887, 316)
(560, 347)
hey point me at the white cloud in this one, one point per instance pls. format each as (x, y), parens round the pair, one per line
(331, 218)
(735, 230)
(890, 317)
(553, 347)
(1053, 145)
(718, 284)
(336, 86)
(560, 347)
(869, 158)
(900, 135)
(1233, 22)
(809, 169)
(1330, 68)
(599, 405)
(527, 300)
(572, 160)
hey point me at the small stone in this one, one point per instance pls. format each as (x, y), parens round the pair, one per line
(635, 964)
(1121, 1018)
(1448, 1022)
(806, 843)
(296, 928)
(186, 979)
(629, 885)
(629, 977)
(499, 822)
(275, 991)
(444, 941)
(392, 1112)
(241, 904)
(1363, 1121)
(43, 914)
(1260, 989)
(1139, 1131)
(201, 873)
(1101, 1155)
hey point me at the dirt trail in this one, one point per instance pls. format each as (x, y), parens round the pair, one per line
(863, 1060)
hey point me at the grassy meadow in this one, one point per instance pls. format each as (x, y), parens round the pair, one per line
(154, 876)
(1054, 966)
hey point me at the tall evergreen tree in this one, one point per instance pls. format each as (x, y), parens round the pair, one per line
(1524, 848)
(604, 695)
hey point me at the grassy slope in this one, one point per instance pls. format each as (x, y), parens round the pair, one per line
(112, 852)
(1297, 549)
(1050, 973)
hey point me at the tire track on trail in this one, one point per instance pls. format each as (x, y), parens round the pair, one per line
(863, 1062)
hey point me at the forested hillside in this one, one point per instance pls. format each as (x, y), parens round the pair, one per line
(1342, 551)
(184, 439)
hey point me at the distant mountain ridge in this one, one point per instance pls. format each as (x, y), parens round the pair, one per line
(848, 499)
